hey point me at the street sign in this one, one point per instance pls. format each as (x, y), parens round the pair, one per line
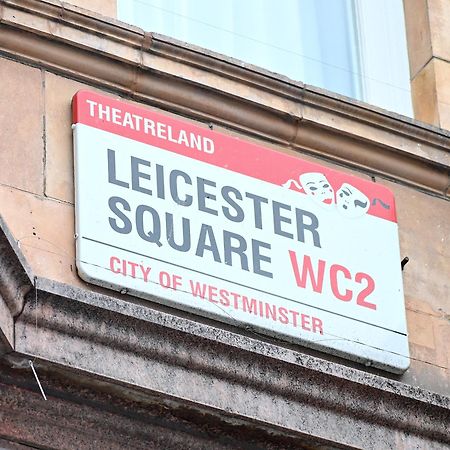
(198, 220)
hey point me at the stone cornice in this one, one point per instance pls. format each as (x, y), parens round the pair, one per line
(15, 284)
(78, 415)
(129, 343)
(213, 88)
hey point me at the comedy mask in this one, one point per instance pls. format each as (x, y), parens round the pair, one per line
(318, 188)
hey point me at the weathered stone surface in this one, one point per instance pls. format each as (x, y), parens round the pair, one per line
(431, 93)
(59, 144)
(14, 285)
(104, 7)
(439, 16)
(424, 227)
(242, 375)
(442, 70)
(427, 25)
(21, 127)
(424, 96)
(86, 413)
(418, 34)
(44, 231)
(8, 445)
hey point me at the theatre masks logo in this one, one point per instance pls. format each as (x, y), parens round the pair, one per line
(349, 201)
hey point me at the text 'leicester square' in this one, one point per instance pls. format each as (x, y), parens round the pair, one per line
(201, 221)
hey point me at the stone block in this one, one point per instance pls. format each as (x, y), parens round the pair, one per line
(44, 230)
(21, 127)
(427, 24)
(431, 94)
(418, 34)
(424, 228)
(104, 7)
(427, 376)
(424, 96)
(59, 144)
(420, 329)
(442, 71)
(439, 16)
(442, 334)
(427, 338)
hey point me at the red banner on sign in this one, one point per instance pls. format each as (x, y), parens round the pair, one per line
(353, 196)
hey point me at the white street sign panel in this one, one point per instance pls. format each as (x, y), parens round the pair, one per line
(201, 221)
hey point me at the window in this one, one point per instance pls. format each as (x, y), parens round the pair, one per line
(353, 47)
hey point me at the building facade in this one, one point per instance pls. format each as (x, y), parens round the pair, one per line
(119, 371)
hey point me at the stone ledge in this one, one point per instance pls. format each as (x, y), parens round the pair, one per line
(14, 285)
(172, 75)
(203, 329)
(224, 370)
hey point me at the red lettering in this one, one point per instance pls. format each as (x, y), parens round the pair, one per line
(145, 271)
(282, 315)
(295, 314)
(307, 272)
(235, 300)
(338, 274)
(224, 297)
(271, 311)
(112, 264)
(317, 325)
(360, 300)
(305, 322)
(246, 304)
(212, 291)
(249, 305)
(261, 308)
(164, 279)
(133, 268)
(123, 266)
(198, 289)
(176, 281)
(334, 270)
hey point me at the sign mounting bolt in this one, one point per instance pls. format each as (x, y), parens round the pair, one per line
(404, 262)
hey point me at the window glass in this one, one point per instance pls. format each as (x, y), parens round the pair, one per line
(353, 47)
